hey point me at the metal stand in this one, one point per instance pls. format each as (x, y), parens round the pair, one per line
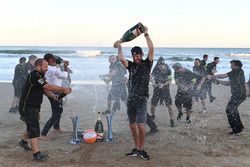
(109, 117)
(75, 139)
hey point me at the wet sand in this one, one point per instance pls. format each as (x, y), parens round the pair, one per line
(204, 143)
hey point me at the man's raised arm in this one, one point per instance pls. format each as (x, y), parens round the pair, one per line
(121, 56)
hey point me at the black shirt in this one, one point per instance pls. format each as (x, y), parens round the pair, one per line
(120, 71)
(139, 76)
(161, 75)
(203, 63)
(211, 67)
(32, 95)
(199, 73)
(237, 81)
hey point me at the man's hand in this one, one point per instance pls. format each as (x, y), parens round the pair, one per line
(117, 44)
(67, 90)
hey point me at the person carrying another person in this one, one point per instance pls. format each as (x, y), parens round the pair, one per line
(54, 76)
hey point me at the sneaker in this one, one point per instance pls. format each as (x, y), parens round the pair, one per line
(13, 110)
(188, 121)
(40, 156)
(204, 111)
(236, 133)
(133, 153)
(152, 132)
(24, 145)
(172, 123)
(212, 98)
(144, 155)
(179, 116)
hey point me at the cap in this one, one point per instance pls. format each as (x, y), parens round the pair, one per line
(176, 66)
(161, 60)
(136, 50)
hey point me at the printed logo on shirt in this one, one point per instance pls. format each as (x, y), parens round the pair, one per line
(41, 81)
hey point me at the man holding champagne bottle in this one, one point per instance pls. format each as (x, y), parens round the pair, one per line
(138, 91)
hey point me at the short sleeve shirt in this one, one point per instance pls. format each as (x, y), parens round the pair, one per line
(199, 72)
(210, 68)
(161, 76)
(139, 76)
(32, 95)
(237, 80)
(184, 78)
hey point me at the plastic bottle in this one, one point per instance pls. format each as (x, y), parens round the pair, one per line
(133, 32)
(99, 128)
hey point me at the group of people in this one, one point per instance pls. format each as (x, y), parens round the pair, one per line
(31, 81)
(192, 86)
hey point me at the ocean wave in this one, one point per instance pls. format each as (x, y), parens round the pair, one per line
(180, 58)
(21, 51)
(89, 53)
(242, 55)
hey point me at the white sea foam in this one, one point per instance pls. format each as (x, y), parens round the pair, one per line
(90, 53)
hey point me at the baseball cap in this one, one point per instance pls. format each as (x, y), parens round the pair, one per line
(136, 50)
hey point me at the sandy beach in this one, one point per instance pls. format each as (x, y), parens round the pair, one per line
(204, 143)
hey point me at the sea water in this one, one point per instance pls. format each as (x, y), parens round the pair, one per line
(88, 63)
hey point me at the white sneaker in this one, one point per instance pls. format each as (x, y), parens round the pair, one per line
(203, 112)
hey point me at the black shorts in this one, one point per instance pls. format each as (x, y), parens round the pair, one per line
(183, 100)
(137, 113)
(162, 95)
(32, 117)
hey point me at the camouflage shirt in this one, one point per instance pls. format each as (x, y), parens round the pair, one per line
(237, 81)
(161, 76)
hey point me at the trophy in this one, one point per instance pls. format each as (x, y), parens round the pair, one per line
(75, 139)
(109, 117)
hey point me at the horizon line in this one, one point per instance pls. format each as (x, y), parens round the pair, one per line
(72, 46)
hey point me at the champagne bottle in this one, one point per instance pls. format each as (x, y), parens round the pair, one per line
(59, 60)
(61, 95)
(99, 128)
(133, 32)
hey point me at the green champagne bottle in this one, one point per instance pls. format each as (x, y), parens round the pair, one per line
(99, 128)
(59, 60)
(133, 32)
(61, 95)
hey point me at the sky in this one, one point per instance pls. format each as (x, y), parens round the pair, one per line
(171, 23)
